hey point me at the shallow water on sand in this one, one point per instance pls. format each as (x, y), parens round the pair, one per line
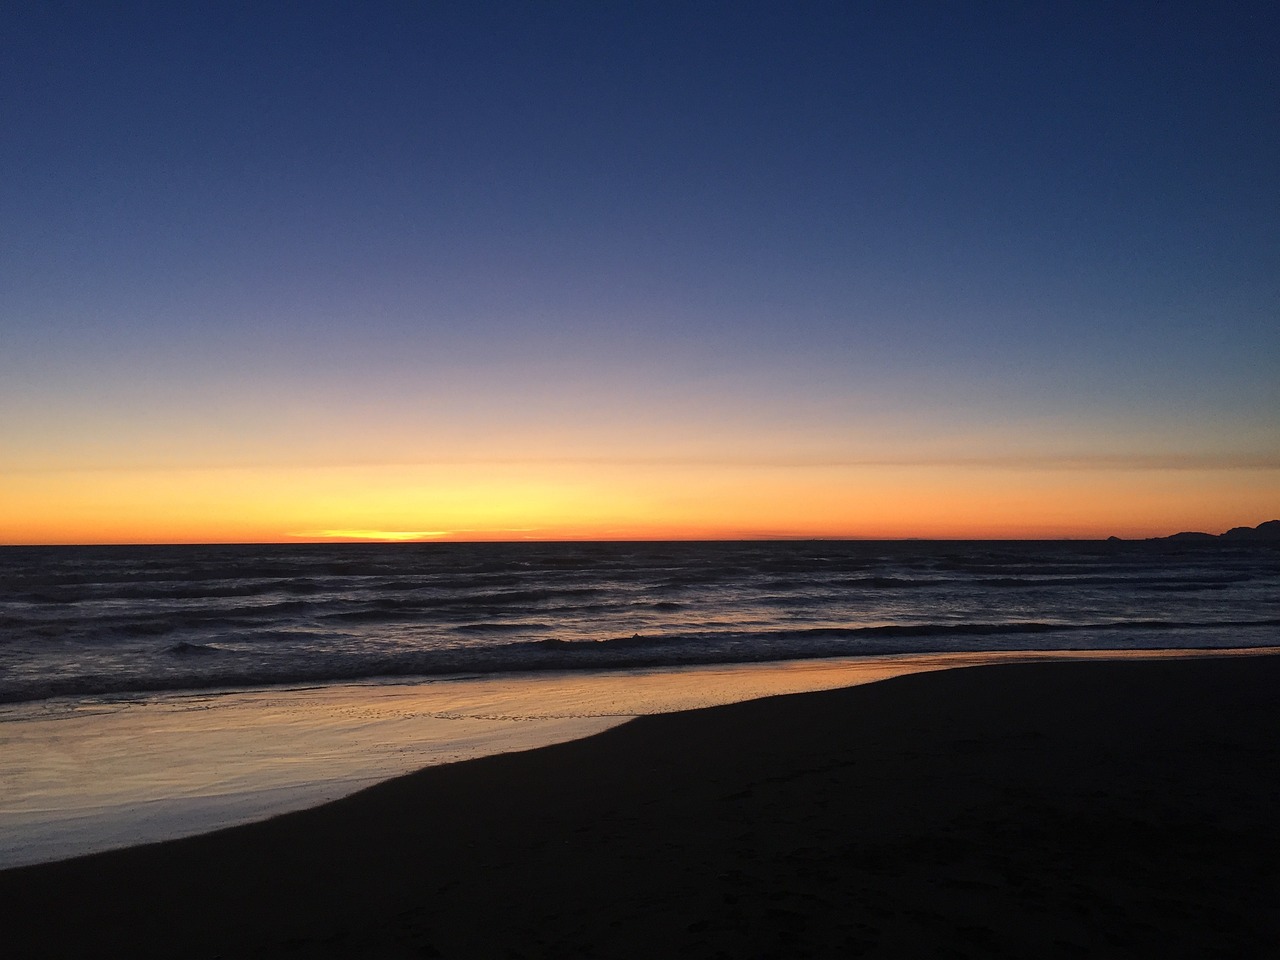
(87, 775)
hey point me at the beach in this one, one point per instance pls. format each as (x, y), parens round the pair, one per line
(1095, 808)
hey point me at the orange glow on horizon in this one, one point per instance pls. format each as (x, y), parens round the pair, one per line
(388, 536)
(603, 501)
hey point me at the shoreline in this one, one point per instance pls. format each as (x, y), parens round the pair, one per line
(88, 777)
(1112, 807)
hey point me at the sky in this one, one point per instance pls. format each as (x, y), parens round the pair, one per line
(414, 270)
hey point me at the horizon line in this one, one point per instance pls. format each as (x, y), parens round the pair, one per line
(446, 538)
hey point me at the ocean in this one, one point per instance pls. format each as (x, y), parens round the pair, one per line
(153, 692)
(98, 622)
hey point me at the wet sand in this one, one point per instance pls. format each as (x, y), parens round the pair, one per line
(1098, 808)
(84, 776)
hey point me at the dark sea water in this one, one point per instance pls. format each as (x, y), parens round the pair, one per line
(103, 621)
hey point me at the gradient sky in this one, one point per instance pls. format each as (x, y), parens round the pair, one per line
(309, 270)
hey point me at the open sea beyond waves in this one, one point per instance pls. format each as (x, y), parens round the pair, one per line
(109, 621)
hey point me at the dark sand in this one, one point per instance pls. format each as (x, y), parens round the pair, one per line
(1100, 809)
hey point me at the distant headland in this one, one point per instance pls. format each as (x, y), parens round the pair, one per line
(1268, 532)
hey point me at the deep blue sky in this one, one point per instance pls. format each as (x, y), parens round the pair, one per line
(904, 230)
